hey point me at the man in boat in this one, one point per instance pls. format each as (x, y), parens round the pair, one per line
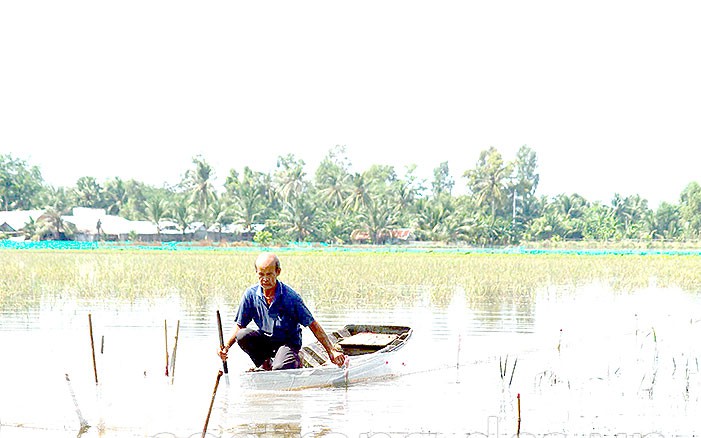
(279, 312)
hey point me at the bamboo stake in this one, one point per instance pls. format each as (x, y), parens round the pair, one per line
(165, 331)
(518, 403)
(211, 404)
(175, 350)
(92, 346)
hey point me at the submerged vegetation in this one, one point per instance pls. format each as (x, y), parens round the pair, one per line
(330, 279)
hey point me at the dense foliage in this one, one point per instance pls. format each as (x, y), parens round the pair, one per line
(501, 205)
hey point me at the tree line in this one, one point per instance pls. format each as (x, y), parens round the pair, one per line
(500, 207)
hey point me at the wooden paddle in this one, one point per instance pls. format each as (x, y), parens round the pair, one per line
(221, 341)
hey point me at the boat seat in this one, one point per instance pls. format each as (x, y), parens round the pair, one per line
(314, 355)
(365, 342)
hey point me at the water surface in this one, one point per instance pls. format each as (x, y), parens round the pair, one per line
(583, 361)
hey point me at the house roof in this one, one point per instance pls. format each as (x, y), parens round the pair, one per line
(86, 219)
(18, 219)
(399, 234)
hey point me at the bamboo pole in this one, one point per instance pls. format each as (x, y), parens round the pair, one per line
(518, 403)
(221, 342)
(92, 347)
(211, 403)
(165, 331)
(175, 350)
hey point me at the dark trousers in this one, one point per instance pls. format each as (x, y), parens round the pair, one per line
(260, 348)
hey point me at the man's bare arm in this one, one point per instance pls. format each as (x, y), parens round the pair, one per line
(336, 356)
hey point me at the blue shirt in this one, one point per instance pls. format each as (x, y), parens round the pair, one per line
(282, 320)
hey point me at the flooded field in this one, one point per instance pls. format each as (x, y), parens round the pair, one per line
(579, 357)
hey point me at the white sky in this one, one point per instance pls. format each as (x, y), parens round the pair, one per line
(608, 93)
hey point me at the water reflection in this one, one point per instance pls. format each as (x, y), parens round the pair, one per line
(582, 361)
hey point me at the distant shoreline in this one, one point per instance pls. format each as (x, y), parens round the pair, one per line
(533, 248)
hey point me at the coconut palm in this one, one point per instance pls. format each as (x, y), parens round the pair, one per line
(487, 182)
(332, 180)
(116, 196)
(289, 178)
(51, 224)
(156, 211)
(378, 218)
(182, 213)
(198, 182)
(359, 196)
(219, 214)
(297, 218)
(332, 185)
(247, 197)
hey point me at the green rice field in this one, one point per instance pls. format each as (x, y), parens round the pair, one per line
(332, 278)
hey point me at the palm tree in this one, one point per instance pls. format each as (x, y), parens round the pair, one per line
(332, 178)
(405, 191)
(198, 182)
(182, 213)
(572, 206)
(487, 180)
(219, 214)
(630, 213)
(359, 196)
(115, 196)
(431, 213)
(334, 227)
(289, 178)
(52, 223)
(378, 218)
(600, 223)
(297, 218)
(247, 197)
(333, 186)
(156, 211)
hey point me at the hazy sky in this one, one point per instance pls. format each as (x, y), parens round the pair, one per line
(608, 93)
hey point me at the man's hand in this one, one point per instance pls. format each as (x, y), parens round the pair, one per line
(337, 357)
(223, 353)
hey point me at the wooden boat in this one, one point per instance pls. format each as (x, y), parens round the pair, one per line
(369, 349)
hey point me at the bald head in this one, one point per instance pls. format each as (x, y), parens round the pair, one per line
(267, 259)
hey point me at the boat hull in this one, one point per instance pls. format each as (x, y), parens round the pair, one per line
(365, 362)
